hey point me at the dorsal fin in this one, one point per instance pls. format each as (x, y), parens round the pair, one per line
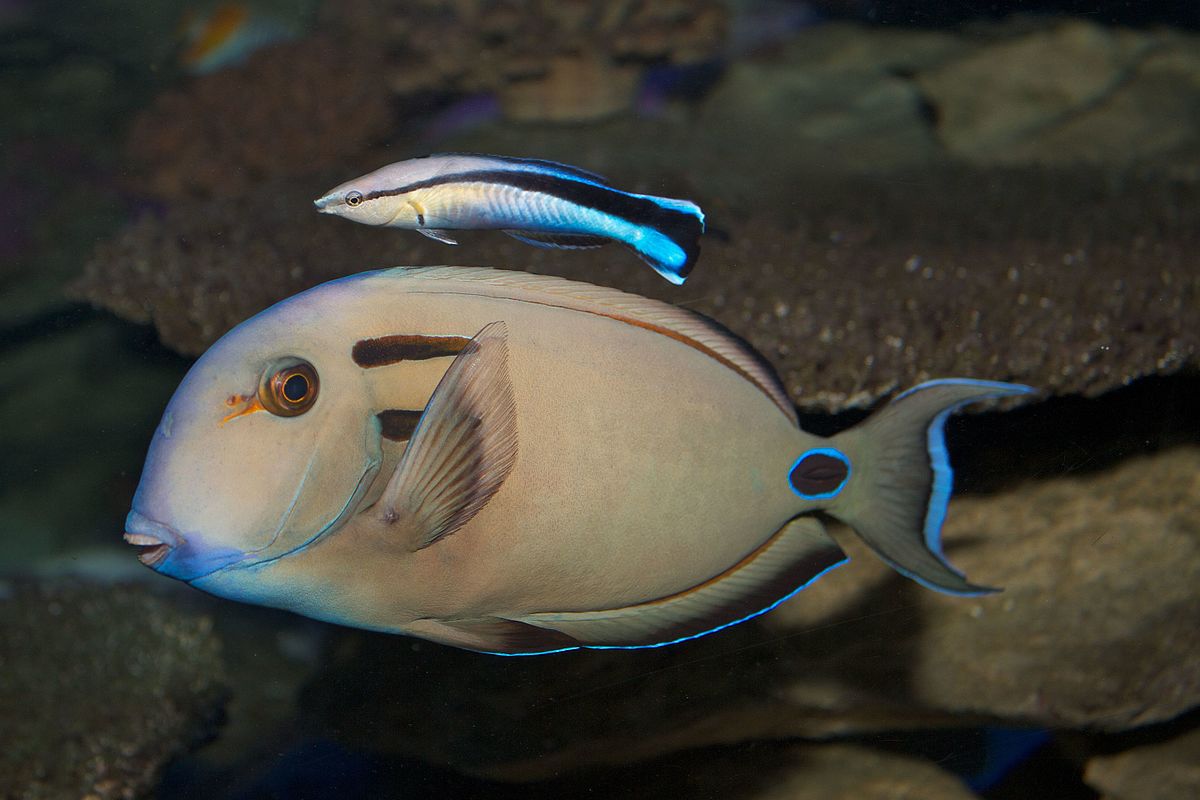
(689, 327)
(539, 164)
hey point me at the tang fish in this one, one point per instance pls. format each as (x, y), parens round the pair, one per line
(541, 203)
(520, 464)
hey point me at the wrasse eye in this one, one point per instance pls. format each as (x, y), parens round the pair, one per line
(290, 390)
(354, 199)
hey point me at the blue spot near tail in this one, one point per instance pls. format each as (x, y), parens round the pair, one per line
(820, 473)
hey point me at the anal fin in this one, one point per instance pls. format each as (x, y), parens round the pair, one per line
(493, 635)
(795, 556)
(438, 235)
(565, 241)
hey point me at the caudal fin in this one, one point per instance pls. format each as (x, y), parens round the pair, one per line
(890, 478)
(671, 240)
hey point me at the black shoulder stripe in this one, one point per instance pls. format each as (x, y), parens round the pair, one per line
(386, 350)
(398, 424)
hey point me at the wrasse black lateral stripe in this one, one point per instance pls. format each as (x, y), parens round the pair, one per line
(398, 424)
(387, 350)
(637, 210)
(540, 163)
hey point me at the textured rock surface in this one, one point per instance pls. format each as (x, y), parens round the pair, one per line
(292, 108)
(1009, 89)
(100, 688)
(839, 97)
(771, 772)
(853, 289)
(1167, 770)
(1077, 92)
(1095, 629)
(562, 61)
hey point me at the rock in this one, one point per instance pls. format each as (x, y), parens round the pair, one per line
(997, 103)
(1167, 770)
(560, 62)
(771, 772)
(1149, 117)
(836, 98)
(291, 108)
(853, 288)
(1095, 628)
(101, 687)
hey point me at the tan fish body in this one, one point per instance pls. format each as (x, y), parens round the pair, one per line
(590, 468)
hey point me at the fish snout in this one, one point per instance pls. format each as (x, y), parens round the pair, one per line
(326, 205)
(154, 540)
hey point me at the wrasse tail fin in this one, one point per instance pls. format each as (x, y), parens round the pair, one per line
(463, 447)
(671, 240)
(894, 480)
(565, 241)
(795, 556)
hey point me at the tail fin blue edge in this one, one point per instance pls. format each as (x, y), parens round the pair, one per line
(943, 473)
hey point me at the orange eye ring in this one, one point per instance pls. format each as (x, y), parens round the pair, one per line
(290, 390)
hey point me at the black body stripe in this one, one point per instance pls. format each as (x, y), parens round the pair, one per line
(613, 202)
(398, 424)
(532, 162)
(386, 350)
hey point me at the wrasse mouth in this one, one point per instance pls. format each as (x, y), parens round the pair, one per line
(151, 551)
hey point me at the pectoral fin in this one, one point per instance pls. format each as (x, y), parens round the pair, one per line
(798, 553)
(463, 447)
(564, 241)
(438, 234)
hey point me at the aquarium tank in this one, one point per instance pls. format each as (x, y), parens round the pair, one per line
(748, 399)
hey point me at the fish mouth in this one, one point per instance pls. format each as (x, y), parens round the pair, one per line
(325, 205)
(154, 540)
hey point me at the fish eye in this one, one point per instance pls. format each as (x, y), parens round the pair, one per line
(354, 198)
(289, 390)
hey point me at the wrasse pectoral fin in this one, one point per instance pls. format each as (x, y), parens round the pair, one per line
(493, 635)
(795, 556)
(564, 241)
(464, 445)
(438, 235)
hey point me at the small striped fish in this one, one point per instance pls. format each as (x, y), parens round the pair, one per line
(538, 202)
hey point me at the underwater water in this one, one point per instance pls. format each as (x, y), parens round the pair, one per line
(868, 195)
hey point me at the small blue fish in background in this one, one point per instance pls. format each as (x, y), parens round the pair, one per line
(542, 203)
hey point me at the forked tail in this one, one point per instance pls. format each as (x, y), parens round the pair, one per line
(890, 478)
(670, 237)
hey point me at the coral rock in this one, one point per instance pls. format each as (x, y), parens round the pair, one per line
(567, 60)
(101, 687)
(292, 108)
(1167, 770)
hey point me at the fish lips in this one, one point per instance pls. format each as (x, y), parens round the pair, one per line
(327, 204)
(164, 549)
